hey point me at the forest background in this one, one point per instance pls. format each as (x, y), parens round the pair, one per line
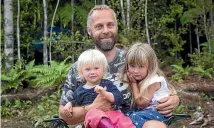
(40, 39)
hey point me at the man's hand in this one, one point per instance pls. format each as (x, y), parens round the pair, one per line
(167, 105)
(67, 110)
(102, 103)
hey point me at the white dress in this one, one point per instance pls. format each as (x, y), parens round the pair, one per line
(162, 92)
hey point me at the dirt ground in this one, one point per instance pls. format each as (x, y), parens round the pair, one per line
(196, 92)
(190, 92)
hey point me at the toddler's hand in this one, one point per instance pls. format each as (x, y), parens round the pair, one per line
(67, 110)
(99, 89)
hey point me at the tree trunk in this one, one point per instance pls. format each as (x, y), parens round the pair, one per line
(72, 20)
(0, 37)
(8, 34)
(29, 95)
(45, 49)
(205, 27)
(103, 1)
(128, 16)
(212, 22)
(123, 16)
(198, 40)
(50, 58)
(146, 23)
(18, 31)
(72, 26)
(190, 38)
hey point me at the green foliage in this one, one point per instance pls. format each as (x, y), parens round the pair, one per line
(51, 75)
(64, 13)
(13, 108)
(45, 108)
(180, 109)
(180, 72)
(204, 62)
(14, 79)
(203, 72)
(66, 46)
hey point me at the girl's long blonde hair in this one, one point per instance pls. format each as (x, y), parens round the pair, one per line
(142, 54)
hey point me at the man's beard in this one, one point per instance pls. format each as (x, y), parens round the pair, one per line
(106, 45)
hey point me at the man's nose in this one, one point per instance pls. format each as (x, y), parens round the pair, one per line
(105, 29)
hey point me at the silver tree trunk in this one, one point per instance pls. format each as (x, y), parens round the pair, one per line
(198, 40)
(146, 23)
(128, 15)
(206, 27)
(18, 31)
(52, 22)
(8, 33)
(103, 1)
(72, 20)
(123, 16)
(212, 22)
(45, 51)
(190, 38)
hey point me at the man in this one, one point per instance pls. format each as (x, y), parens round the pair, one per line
(102, 27)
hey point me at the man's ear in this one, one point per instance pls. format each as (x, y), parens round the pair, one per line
(89, 31)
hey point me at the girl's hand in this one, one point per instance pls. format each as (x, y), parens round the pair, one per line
(99, 89)
(131, 78)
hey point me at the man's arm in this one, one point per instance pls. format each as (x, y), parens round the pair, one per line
(78, 113)
(167, 105)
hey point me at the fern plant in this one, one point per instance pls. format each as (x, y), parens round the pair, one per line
(180, 72)
(51, 75)
(14, 79)
(203, 72)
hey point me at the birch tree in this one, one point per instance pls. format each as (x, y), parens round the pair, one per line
(72, 20)
(103, 1)
(8, 33)
(52, 22)
(146, 23)
(45, 51)
(18, 30)
(128, 15)
(205, 25)
(123, 16)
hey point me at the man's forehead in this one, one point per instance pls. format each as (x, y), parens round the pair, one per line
(102, 16)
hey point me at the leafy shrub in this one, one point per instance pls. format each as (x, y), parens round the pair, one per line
(45, 108)
(204, 60)
(12, 108)
(17, 76)
(180, 72)
(51, 75)
(202, 71)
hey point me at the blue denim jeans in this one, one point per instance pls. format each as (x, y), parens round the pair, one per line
(140, 116)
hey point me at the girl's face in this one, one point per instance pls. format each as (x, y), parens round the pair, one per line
(139, 73)
(92, 73)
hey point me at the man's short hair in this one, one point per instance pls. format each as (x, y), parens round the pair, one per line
(99, 7)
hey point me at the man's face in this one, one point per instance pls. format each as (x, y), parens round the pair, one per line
(103, 29)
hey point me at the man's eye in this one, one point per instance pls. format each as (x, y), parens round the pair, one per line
(110, 25)
(98, 27)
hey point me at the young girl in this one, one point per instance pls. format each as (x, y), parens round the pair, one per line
(92, 67)
(147, 83)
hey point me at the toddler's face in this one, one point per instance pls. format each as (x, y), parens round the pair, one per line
(92, 73)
